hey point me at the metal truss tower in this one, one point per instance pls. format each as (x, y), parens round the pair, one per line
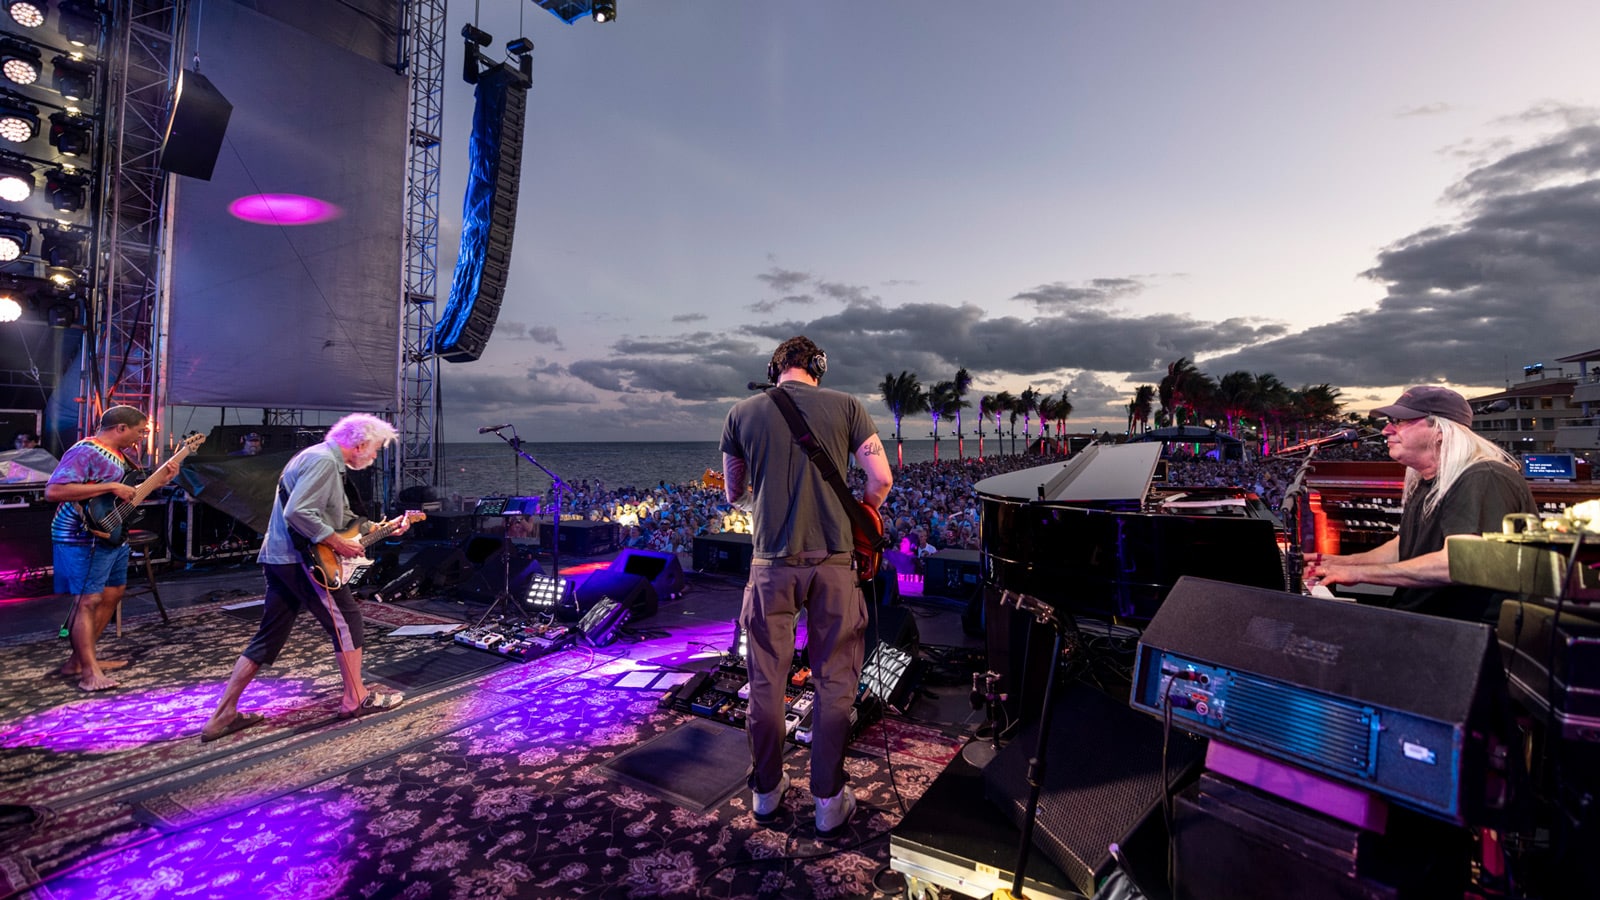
(417, 462)
(123, 361)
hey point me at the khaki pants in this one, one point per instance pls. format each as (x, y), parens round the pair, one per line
(836, 623)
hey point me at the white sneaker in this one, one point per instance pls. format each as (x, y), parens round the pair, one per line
(833, 813)
(767, 804)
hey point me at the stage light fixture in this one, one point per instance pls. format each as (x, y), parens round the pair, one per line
(604, 11)
(19, 62)
(68, 191)
(73, 78)
(27, 13)
(19, 121)
(64, 247)
(546, 592)
(16, 179)
(16, 239)
(71, 135)
(10, 307)
(79, 22)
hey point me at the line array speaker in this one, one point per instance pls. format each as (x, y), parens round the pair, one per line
(489, 218)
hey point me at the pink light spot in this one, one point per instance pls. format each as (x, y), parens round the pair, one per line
(283, 209)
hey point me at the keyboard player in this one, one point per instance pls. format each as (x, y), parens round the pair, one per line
(1456, 483)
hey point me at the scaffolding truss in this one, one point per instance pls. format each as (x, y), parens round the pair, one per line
(417, 462)
(123, 361)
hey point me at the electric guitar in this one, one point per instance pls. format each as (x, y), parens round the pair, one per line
(331, 570)
(107, 517)
(867, 532)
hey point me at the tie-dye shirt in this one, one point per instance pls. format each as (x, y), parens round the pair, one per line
(86, 462)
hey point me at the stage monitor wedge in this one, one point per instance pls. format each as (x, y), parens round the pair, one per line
(1392, 702)
(196, 125)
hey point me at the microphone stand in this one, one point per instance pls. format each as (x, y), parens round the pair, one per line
(1289, 510)
(557, 488)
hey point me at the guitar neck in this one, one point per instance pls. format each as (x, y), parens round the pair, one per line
(380, 531)
(148, 486)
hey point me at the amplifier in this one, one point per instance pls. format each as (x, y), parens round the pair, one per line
(1536, 646)
(1388, 701)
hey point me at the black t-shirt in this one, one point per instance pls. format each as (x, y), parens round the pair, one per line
(1484, 494)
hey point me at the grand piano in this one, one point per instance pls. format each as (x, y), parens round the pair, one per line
(1101, 536)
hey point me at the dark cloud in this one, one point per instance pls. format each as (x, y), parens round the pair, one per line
(864, 342)
(690, 318)
(1097, 291)
(518, 331)
(1425, 109)
(1512, 281)
(783, 281)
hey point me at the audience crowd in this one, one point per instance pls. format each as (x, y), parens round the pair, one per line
(933, 506)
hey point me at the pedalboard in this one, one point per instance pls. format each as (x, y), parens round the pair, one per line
(518, 640)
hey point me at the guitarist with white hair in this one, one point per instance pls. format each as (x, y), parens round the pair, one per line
(95, 568)
(310, 513)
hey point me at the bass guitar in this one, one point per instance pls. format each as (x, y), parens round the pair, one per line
(107, 517)
(331, 570)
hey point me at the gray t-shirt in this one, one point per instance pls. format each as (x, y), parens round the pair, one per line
(795, 510)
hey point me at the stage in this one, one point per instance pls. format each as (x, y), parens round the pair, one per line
(494, 775)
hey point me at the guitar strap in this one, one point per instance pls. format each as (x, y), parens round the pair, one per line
(824, 462)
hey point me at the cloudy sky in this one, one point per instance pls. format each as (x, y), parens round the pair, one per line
(1063, 195)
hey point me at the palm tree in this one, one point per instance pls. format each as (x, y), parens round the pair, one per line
(1178, 389)
(941, 402)
(1274, 403)
(1027, 403)
(1013, 429)
(1002, 402)
(1143, 398)
(985, 406)
(1062, 410)
(904, 396)
(1236, 397)
(963, 384)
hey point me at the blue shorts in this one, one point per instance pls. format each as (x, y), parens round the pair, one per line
(89, 568)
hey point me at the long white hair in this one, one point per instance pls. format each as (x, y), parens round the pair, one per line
(1459, 449)
(356, 429)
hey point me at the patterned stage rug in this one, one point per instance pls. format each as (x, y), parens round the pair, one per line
(507, 800)
(79, 755)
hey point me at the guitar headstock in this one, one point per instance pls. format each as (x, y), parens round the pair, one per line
(414, 515)
(188, 444)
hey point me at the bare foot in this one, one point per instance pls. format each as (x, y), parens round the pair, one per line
(70, 667)
(95, 683)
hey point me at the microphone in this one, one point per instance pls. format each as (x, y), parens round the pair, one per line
(1348, 435)
(493, 428)
(758, 385)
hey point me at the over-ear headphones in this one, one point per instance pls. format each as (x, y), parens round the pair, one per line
(816, 367)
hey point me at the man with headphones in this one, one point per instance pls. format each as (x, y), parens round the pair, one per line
(801, 560)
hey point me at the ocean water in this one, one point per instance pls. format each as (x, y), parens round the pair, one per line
(481, 469)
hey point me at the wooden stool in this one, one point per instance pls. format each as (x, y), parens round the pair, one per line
(141, 545)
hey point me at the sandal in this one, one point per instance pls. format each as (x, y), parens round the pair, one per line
(377, 701)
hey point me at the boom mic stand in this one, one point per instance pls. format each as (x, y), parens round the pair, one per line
(557, 488)
(1044, 614)
(1289, 511)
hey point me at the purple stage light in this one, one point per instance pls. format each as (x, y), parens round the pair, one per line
(283, 209)
(115, 721)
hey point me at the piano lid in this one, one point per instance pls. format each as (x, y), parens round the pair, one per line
(1101, 472)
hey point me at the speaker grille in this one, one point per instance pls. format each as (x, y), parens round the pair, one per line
(1338, 735)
